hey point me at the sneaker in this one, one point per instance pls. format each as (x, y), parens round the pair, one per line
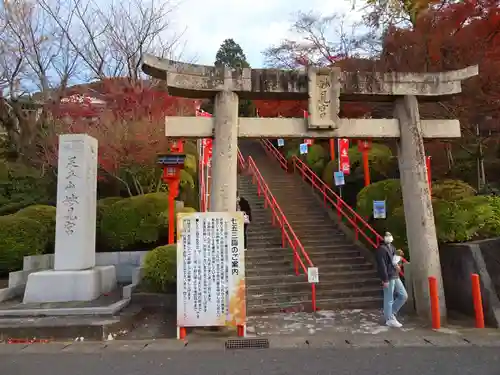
(393, 323)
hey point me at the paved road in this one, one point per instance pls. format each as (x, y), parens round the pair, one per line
(361, 361)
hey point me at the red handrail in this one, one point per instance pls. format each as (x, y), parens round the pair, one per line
(288, 236)
(359, 224)
(241, 160)
(343, 209)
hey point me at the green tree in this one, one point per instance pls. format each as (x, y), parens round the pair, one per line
(231, 54)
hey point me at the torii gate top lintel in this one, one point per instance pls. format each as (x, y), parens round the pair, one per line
(202, 81)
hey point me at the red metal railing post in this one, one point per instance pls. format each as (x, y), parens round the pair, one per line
(283, 237)
(434, 299)
(339, 213)
(313, 296)
(356, 229)
(478, 301)
(324, 195)
(296, 261)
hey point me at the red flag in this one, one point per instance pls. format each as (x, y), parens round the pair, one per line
(344, 164)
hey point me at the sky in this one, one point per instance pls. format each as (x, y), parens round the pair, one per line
(253, 24)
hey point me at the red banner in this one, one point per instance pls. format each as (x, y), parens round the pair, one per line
(207, 142)
(207, 150)
(344, 164)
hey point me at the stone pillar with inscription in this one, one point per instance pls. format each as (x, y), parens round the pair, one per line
(225, 155)
(74, 277)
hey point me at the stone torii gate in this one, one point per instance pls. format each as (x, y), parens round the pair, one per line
(323, 88)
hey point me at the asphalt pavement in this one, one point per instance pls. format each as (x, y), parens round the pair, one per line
(353, 361)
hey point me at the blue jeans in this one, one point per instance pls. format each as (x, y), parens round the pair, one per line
(391, 305)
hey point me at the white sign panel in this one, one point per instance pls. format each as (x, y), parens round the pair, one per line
(210, 269)
(313, 275)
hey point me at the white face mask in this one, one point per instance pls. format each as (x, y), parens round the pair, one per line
(388, 239)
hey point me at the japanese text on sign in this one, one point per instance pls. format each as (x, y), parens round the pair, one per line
(210, 262)
(324, 85)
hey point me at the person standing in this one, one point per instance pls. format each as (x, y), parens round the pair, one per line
(388, 270)
(243, 205)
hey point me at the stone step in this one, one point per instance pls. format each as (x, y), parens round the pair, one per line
(301, 296)
(305, 236)
(331, 251)
(304, 285)
(306, 242)
(290, 278)
(321, 304)
(325, 269)
(287, 262)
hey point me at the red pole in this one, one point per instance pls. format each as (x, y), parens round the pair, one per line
(478, 301)
(313, 297)
(433, 294)
(171, 215)
(241, 331)
(332, 149)
(182, 333)
(366, 166)
(428, 167)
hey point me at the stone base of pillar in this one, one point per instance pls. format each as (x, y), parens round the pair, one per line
(67, 286)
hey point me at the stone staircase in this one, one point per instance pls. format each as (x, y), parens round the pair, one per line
(347, 280)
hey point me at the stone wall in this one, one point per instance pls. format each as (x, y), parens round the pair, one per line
(458, 262)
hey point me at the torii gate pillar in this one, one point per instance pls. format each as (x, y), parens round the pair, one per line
(225, 153)
(323, 88)
(417, 202)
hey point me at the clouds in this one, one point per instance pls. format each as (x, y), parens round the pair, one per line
(254, 24)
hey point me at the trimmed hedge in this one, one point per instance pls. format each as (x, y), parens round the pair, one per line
(45, 216)
(467, 219)
(20, 236)
(160, 268)
(450, 190)
(390, 191)
(316, 158)
(135, 220)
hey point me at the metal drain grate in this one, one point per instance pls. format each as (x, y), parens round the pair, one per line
(247, 344)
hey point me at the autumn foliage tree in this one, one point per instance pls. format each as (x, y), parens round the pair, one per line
(454, 36)
(128, 120)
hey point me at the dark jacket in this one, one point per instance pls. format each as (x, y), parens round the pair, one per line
(386, 270)
(245, 207)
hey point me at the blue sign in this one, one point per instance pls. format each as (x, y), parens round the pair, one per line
(339, 178)
(281, 142)
(303, 148)
(379, 211)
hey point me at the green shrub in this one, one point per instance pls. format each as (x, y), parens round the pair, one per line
(45, 216)
(188, 210)
(137, 220)
(160, 268)
(316, 158)
(191, 148)
(452, 190)
(380, 160)
(191, 165)
(102, 206)
(12, 207)
(463, 220)
(388, 190)
(23, 186)
(20, 236)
